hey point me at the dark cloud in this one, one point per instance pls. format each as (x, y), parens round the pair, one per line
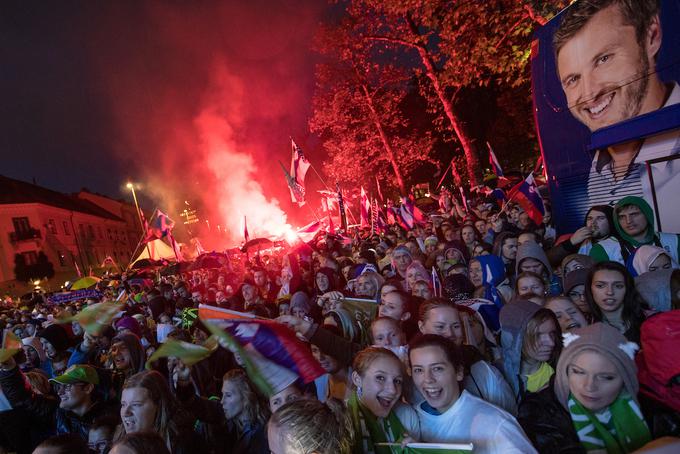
(162, 92)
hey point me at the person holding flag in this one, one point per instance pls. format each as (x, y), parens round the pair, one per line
(527, 196)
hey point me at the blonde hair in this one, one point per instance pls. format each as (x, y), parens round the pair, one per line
(254, 408)
(366, 357)
(308, 426)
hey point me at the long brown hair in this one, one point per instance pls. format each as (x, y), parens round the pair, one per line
(168, 414)
(256, 411)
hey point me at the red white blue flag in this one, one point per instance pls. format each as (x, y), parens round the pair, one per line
(495, 165)
(160, 226)
(526, 194)
(365, 209)
(298, 169)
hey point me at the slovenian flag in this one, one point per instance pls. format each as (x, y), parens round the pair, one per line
(410, 214)
(526, 194)
(365, 209)
(298, 169)
(274, 341)
(495, 165)
(160, 226)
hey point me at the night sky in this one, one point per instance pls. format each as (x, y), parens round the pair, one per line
(95, 93)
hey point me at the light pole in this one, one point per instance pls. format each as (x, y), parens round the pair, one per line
(131, 187)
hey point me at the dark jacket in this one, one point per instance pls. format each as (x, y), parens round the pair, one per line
(46, 410)
(222, 436)
(547, 423)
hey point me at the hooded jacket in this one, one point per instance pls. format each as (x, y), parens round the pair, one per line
(536, 252)
(514, 318)
(611, 249)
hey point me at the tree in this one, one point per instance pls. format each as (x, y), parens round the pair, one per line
(457, 44)
(357, 111)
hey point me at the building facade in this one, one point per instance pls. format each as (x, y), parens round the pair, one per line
(72, 230)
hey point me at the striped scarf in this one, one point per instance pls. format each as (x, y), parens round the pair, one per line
(619, 429)
(369, 429)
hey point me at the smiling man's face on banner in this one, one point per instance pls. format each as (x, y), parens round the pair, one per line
(604, 68)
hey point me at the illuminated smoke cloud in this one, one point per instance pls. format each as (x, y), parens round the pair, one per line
(204, 98)
(237, 192)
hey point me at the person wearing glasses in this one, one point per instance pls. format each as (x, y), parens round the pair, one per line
(75, 410)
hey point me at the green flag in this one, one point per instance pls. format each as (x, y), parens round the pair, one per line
(11, 345)
(94, 318)
(189, 353)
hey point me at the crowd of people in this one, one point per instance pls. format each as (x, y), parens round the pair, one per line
(486, 329)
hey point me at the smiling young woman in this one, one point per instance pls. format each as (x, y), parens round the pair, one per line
(377, 413)
(450, 414)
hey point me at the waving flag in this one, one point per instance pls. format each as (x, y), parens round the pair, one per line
(298, 169)
(526, 194)
(159, 227)
(365, 209)
(495, 165)
(189, 353)
(341, 207)
(329, 216)
(11, 345)
(377, 184)
(94, 318)
(380, 221)
(297, 192)
(274, 341)
(409, 214)
(308, 232)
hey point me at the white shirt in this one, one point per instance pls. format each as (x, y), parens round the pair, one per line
(409, 419)
(472, 420)
(604, 190)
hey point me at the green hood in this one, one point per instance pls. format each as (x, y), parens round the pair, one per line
(646, 210)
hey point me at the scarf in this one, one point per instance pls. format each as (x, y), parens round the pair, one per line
(619, 430)
(540, 378)
(369, 429)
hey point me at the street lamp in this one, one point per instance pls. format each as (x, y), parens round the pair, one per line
(131, 187)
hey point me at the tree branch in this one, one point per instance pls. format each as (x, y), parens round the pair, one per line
(393, 41)
(534, 15)
(508, 33)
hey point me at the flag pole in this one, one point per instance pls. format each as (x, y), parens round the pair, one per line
(329, 189)
(135, 251)
(446, 172)
(131, 186)
(309, 205)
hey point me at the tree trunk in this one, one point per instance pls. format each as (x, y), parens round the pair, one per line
(469, 149)
(385, 141)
